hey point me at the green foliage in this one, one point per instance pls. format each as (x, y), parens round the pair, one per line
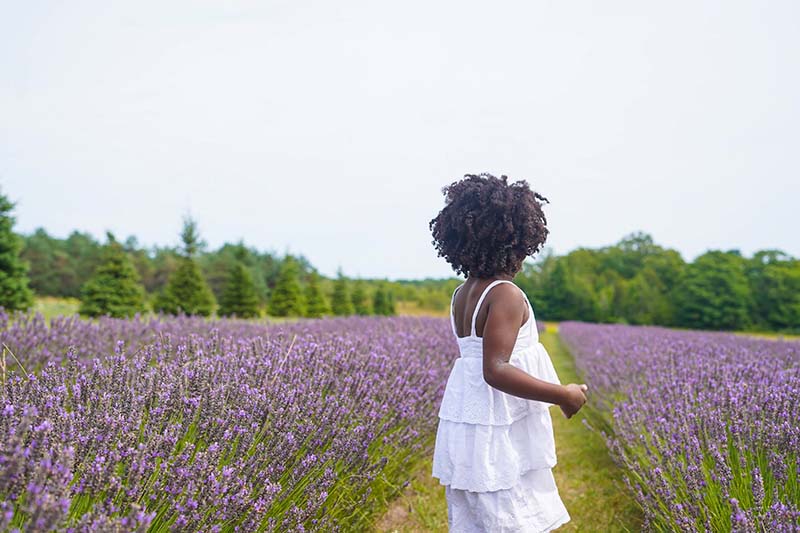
(48, 274)
(713, 293)
(239, 297)
(383, 301)
(287, 296)
(316, 303)
(420, 296)
(569, 296)
(115, 287)
(627, 257)
(14, 291)
(163, 263)
(60, 267)
(187, 291)
(774, 279)
(781, 296)
(634, 281)
(341, 304)
(359, 298)
(217, 266)
(190, 237)
(643, 300)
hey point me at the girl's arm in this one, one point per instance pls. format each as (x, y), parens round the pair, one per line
(503, 320)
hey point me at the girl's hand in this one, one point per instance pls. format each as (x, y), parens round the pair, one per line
(574, 398)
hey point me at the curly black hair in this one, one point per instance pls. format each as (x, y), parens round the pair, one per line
(487, 226)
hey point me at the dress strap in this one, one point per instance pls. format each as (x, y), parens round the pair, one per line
(452, 315)
(480, 301)
(532, 319)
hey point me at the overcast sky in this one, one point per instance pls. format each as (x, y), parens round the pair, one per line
(329, 128)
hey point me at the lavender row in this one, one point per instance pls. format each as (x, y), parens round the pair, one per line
(35, 342)
(192, 425)
(706, 425)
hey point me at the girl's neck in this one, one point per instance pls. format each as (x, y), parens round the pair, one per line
(505, 277)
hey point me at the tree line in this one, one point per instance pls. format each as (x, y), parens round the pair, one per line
(634, 281)
(115, 287)
(637, 281)
(121, 278)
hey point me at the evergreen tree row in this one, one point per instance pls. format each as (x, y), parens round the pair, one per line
(288, 299)
(116, 290)
(115, 287)
(61, 267)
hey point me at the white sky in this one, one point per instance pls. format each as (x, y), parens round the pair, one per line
(329, 128)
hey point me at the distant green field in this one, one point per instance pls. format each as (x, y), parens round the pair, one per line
(768, 335)
(412, 308)
(50, 306)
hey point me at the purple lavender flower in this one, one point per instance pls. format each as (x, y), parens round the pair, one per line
(197, 425)
(706, 424)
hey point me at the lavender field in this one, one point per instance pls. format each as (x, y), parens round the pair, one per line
(705, 425)
(185, 424)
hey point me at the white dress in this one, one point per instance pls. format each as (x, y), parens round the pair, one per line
(494, 451)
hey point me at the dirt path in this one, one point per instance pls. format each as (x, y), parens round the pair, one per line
(589, 482)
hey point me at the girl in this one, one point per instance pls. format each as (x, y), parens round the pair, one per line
(494, 446)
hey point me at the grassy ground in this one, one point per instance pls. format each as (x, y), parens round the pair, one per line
(51, 306)
(411, 308)
(768, 335)
(589, 482)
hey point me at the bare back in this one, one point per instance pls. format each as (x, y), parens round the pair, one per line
(466, 299)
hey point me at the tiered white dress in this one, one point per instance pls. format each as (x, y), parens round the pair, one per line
(494, 451)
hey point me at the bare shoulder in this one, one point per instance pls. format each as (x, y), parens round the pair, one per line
(506, 297)
(507, 289)
(506, 311)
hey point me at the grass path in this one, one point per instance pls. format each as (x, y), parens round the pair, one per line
(589, 482)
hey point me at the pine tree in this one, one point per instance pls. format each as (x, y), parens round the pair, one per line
(391, 308)
(186, 290)
(190, 237)
(316, 303)
(359, 299)
(115, 288)
(287, 296)
(14, 291)
(239, 297)
(383, 301)
(340, 300)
